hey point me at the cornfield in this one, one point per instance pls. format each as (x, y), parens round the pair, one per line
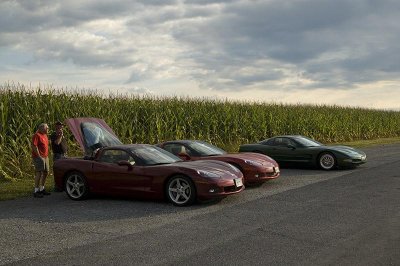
(146, 119)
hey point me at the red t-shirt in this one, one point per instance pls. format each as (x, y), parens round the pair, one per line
(42, 142)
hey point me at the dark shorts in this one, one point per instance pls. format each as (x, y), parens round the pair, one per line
(41, 164)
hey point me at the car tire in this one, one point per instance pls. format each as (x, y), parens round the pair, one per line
(180, 191)
(76, 186)
(326, 161)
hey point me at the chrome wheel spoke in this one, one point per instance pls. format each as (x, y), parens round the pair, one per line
(177, 198)
(185, 196)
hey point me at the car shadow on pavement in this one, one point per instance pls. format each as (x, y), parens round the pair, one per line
(59, 208)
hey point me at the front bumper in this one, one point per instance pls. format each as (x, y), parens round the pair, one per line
(220, 189)
(353, 161)
(261, 175)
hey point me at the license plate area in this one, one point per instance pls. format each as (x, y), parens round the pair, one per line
(238, 182)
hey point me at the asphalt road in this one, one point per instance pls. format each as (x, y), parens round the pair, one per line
(306, 217)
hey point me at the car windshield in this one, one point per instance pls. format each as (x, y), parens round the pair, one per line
(307, 142)
(96, 136)
(205, 149)
(151, 155)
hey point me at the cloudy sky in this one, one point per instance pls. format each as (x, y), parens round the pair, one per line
(344, 52)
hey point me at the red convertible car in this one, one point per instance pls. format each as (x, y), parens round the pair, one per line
(256, 168)
(138, 170)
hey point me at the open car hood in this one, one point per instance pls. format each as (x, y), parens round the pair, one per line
(92, 133)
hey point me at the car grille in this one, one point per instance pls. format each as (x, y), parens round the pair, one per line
(358, 161)
(261, 175)
(232, 189)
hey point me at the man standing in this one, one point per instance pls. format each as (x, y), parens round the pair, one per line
(58, 142)
(40, 153)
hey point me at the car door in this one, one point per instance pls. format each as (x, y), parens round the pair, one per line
(289, 151)
(283, 150)
(300, 154)
(116, 178)
(265, 147)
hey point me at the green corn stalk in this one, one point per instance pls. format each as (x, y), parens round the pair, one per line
(150, 119)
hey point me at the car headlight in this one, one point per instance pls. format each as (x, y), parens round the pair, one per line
(253, 163)
(207, 174)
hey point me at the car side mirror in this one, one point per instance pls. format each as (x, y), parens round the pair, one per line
(184, 156)
(291, 146)
(126, 163)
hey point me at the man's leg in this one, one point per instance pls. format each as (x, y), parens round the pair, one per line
(43, 182)
(45, 173)
(43, 179)
(38, 177)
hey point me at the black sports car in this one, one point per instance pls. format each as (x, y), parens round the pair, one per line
(302, 150)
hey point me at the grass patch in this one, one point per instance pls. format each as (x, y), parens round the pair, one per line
(18, 188)
(369, 143)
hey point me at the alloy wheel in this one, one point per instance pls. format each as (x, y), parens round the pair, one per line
(327, 161)
(180, 191)
(75, 186)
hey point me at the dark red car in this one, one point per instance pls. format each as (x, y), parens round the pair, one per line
(256, 168)
(138, 170)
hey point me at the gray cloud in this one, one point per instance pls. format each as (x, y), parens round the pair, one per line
(356, 37)
(222, 45)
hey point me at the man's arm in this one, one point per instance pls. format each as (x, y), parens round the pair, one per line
(58, 139)
(35, 150)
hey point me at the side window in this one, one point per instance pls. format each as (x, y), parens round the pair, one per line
(270, 142)
(175, 148)
(114, 156)
(291, 142)
(284, 142)
(279, 142)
